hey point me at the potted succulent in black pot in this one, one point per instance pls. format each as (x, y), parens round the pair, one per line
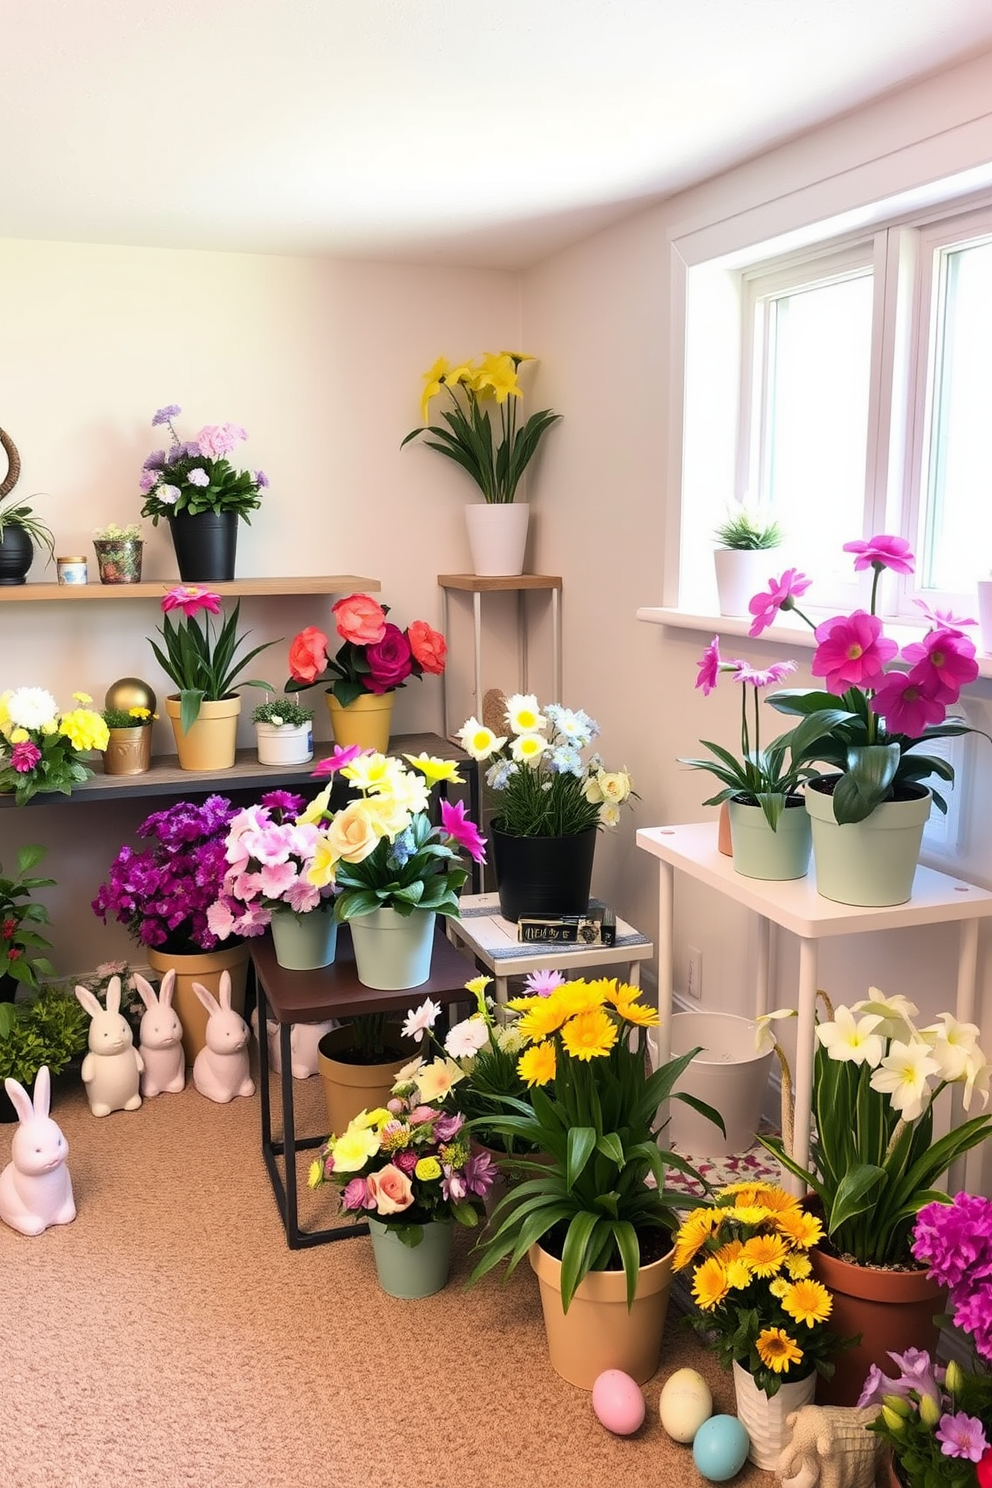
(21, 532)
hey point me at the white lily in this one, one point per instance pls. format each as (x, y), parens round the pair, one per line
(903, 1075)
(764, 1034)
(896, 1012)
(953, 1045)
(977, 1076)
(852, 1039)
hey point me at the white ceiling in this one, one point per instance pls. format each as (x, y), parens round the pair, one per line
(454, 131)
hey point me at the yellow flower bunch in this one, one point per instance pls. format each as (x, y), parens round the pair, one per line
(582, 1019)
(41, 748)
(758, 1304)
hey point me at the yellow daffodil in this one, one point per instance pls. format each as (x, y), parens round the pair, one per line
(536, 1065)
(777, 1350)
(709, 1284)
(589, 1035)
(808, 1302)
(434, 380)
(498, 374)
(435, 769)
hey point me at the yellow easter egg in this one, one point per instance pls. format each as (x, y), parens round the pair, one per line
(686, 1402)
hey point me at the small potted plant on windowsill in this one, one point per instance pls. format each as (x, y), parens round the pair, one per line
(283, 732)
(743, 540)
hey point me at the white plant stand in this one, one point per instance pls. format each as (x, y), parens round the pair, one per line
(796, 906)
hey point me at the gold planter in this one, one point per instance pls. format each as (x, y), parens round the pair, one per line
(365, 722)
(211, 743)
(128, 751)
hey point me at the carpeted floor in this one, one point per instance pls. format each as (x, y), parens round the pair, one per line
(168, 1338)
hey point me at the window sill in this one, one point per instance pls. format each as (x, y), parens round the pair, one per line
(780, 632)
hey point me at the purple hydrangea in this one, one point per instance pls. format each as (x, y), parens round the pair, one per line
(163, 415)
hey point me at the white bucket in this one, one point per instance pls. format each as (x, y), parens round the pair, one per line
(729, 1074)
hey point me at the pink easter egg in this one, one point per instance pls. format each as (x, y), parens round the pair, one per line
(618, 1402)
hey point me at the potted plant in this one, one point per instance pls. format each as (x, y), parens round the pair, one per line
(769, 826)
(270, 851)
(409, 1170)
(205, 667)
(868, 726)
(743, 539)
(493, 454)
(594, 1216)
(875, 1162)
(938, 1423)
(394, 868)
(129, 740)
(194, 485)
(162, 894)
(22, 947)
(548, 803)
(283, 732)
(42, 749)
(374, 659)
(758, 1306)
(118, 553)
(21, 530)
(48, 1028)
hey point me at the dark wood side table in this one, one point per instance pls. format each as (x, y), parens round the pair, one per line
(334, 991)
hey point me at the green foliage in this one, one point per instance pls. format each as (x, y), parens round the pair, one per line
(120, 718)
(743, 531)
(21, 946)
(282, 710)
(23, 516)
(204, 668)
(49, 1028)
(429, 877)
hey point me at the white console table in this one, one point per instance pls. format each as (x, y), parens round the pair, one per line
(797, 907)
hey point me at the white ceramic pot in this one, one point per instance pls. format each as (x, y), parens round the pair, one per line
(497, 537)
(284, 743)
(764, 1417)
(728, 1073)
(742, 573)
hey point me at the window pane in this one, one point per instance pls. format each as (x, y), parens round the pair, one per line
(958, 519)
(816, 417)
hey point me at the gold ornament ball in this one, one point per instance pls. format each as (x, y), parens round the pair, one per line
(130, 692)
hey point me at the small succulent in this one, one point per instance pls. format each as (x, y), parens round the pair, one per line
(744, 531)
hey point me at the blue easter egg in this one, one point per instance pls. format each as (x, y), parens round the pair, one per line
(720, 1448)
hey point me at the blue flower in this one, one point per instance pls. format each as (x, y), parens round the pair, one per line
(565, 759)
(401, 850)
(498, 775)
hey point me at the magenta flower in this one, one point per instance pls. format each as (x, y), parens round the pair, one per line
(446, 1128)
(852, 651)
(191, 600)
(771, 676)
(337, 760)
(962, 1436)
(406, 1161)
(781, 594)
(709, 667)
(464, 832)
(355, 1194)
(945, 662)
(480, 1173)
(885, 550)
(24, 756)
(943, 619)
(906, 704)
(955, 1240)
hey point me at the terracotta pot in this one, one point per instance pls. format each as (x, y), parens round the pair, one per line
(211, 742)
(892, 1310)
(365, 722)
(204, 967)
(351, 1088)
(598, 1332)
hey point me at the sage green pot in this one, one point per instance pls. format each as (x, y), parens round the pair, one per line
(870, 863)
(415, 1271)
(760, 852)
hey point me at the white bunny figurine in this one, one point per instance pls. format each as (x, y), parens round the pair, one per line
(35, 1187)
(113, 1065)
(303, 1041)
(161, 1038)
(220, 1070)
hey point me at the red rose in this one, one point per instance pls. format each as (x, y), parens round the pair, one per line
(308, 655)
(359, 619)
(428, 646)
(390, 662)
(983, 1471)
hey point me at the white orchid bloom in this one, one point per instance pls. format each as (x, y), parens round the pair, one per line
(977, 1076)
(764, 1034)
(853, 1040)
(896, 1012)
(953, 1044)
(903, 1076)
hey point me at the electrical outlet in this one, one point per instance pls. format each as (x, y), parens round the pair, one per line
(694, 981)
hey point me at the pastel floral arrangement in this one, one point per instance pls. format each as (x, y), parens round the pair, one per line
(874, 1160)
(163, 893)
(759, 777)
(383, 850)
(409, 1163)
(204, 665)
(43, 749)
(879, 704)
(758, 1303)
(195, 475)
(938, 1422)
(375, 656)
(540, 783)
(494, 457)
(269, 853)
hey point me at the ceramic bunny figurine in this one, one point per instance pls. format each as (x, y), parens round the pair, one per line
(303, 1041)
(161, 1038)
(113, 1065)
(35, 1187)
(220, 1070)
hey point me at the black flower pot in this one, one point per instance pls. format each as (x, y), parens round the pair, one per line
(16, 554)
(543, 875)
(206, 545)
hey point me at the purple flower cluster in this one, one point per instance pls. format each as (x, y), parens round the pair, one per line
(162, 893)
(955, 1243)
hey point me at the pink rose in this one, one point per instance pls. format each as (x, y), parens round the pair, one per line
(359, 619)
(389, 662)
(429, 647)
(390, 1190)
(355, 1195)
(308, 655)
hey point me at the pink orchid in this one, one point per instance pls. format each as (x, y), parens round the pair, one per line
(949, 656)
(780, 595)
(337, 760)
(886, 550)
(770, 677)
(461, 830)
(943, 619)
(191, 600)
(906, 705)
(852, 651)
(709, 667)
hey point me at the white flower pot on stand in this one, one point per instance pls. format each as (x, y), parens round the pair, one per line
(729, 1073)
(497, 537)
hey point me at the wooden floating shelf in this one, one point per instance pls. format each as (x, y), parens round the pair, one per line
(156, 588)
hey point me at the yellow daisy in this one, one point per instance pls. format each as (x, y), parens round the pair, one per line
(730, 1252)
(578, 997)
(709, 1284)
(748, 1214)
(540, 1020)
(779, 1287)
(732, 1189)
(808, 1302)
(536, 1065)
(776, 1199)
(765, 1254)
(637, 1014)
(523, 1004)
(738, 1275)
(692, 1236)
(802, 1229)
(589, 1035)
(798, 1266)
(777, 1350)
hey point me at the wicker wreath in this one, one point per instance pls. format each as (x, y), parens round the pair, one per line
(13, 465)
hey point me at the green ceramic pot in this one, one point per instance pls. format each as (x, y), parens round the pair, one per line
(412, 1271)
